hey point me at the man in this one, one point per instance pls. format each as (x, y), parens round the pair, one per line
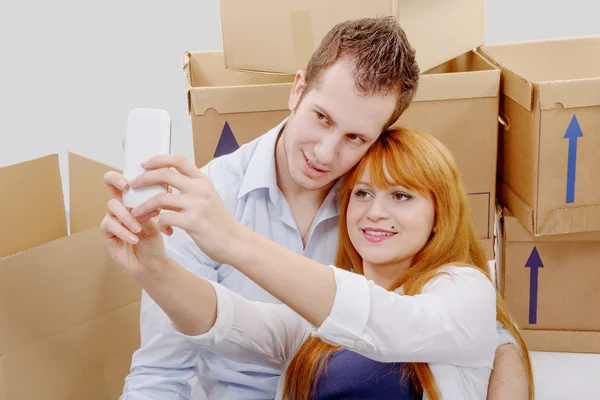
(282, 185)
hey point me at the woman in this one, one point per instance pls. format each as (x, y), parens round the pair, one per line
(409, 311)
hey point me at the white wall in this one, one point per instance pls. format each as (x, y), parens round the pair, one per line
(71, 70)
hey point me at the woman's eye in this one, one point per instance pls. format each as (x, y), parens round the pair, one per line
(361, 194)
(401, 196)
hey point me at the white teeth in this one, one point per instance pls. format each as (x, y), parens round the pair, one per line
(373, 233)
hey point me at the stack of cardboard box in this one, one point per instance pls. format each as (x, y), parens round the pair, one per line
(549, 266)
(545, 94)
(240, 93)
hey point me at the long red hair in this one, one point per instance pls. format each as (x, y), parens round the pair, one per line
(416, 161)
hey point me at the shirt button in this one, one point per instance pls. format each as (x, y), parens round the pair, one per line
(360, 345)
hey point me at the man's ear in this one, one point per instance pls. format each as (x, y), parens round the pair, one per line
(297, 90)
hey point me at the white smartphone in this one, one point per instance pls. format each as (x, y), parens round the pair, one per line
(148, 135)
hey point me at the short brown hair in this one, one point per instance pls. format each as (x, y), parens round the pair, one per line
(383, 58)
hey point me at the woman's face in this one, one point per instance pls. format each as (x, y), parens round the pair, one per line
(388, 227)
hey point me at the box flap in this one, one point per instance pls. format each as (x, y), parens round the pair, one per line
(570, 94)
(559, 222)
(210, 85)
(512, 85)
(207, 69)
(239, 99)
(568, 220)
(88, 194)
(568, 69)
(466, 77)
(564, 59)
(466, 20)
(515, 232)
(517, 206)
(89, 361)
(562, 341)
(26, 220)
(74, 274)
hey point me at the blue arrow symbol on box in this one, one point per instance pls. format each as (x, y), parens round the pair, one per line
(535, 263)
(573, 133)
(227, 143)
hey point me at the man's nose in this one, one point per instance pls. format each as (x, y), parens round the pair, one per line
(327, 149)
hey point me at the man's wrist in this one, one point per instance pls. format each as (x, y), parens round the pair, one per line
(245, 247)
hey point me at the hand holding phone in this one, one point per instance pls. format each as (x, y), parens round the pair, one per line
(148, 135)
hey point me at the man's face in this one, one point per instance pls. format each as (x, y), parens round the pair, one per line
(331, 129)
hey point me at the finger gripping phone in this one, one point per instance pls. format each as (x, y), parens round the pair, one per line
(148, 135)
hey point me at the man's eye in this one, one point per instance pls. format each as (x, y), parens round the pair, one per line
(356, 139)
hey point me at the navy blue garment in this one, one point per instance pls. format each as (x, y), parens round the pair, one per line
(350, 376)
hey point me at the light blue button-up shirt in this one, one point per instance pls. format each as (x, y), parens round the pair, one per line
(247, 183)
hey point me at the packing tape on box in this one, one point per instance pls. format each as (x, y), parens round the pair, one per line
(302, 36)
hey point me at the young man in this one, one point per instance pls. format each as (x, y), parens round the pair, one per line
(282, 185)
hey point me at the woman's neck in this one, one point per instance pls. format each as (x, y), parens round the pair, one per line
(385, 275)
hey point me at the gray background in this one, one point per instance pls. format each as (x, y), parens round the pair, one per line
(71, 71)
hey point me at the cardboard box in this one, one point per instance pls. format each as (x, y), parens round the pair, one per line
(456, 102)
(69, 317)
(548, 152)
(279, 36)
(550, 284)
(229, 108)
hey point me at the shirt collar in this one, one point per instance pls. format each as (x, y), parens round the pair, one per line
(261, 173)
(331, 205)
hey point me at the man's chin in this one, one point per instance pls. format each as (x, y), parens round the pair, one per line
(307, 183)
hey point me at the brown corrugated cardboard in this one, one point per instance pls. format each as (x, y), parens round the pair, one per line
(87, 361)
(457, 102)
(69, 318)
(240, 105)
(279, 36)
(29, 182)
(548, 150)
(229, 103)
(550, 284)
(87, 205)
